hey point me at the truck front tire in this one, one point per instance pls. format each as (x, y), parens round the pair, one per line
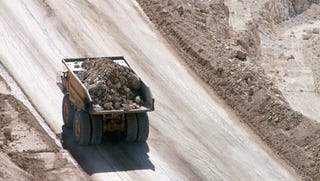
(97, 129)
(82, 128)
(131, 127)
(143, 127)
(67, 112)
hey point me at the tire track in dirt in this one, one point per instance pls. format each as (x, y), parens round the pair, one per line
(64, 30)
(126, 41)
(35, 54)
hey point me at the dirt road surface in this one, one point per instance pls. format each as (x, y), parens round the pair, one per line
(192, 136)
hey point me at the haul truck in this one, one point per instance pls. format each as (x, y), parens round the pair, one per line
(89, 124)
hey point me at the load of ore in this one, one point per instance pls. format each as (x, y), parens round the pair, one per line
(111, 86)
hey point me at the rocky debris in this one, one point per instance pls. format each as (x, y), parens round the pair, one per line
(316, 30)
(300, 5)
(7, 133)
(111, 85)
(290, 57)
(239, 53)
(3, 140)
(27, 152)
(306, 36)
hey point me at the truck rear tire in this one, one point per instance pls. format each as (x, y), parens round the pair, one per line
(132, 127)
(82, 128)
(97, 129)
(67, 112)
(143, 127)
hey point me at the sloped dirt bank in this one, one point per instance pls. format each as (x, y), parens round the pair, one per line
(228, 63)
(290, 56)
(26, 151)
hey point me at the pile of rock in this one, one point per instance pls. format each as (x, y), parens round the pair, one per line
(111, 85)
(5, 136)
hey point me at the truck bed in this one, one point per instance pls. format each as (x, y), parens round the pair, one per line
(80, 96)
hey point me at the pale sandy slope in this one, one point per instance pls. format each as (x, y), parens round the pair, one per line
(298, 77)
(192, 136)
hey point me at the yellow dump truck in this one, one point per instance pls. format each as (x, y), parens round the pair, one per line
(89, 123)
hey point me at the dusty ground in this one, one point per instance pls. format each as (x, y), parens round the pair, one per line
(229, 57)
(204, 144)
(290, 56)
(26, 151)
(203, 137)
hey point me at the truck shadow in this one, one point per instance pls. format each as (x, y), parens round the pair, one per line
(109, 156)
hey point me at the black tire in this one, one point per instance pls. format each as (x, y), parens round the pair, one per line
(132, 127)
(143, 127)
(67, 112)
(82, 128)
(97, 129)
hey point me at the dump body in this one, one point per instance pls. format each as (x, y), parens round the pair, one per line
(79, 94)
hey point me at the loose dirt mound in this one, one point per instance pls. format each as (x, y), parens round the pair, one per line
(200, 31)
(26, 151)
(111, 85)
